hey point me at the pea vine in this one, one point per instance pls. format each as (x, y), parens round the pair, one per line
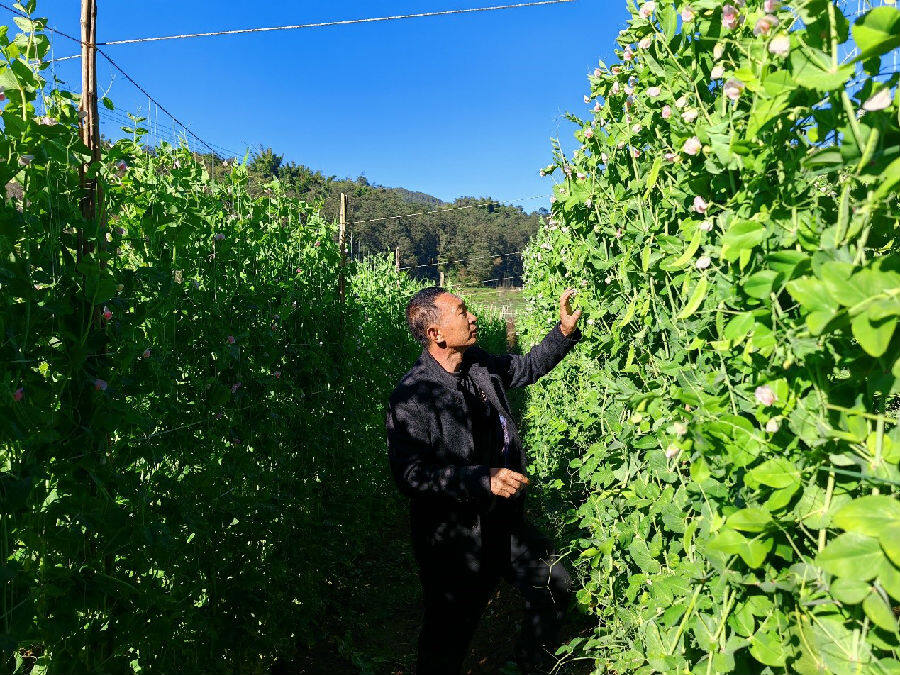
(726, 435)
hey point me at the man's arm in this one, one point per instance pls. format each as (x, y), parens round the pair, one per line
(519, 371)
(413, 464)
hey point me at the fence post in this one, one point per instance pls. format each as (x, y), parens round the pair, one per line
(90, 122)
(441, 282)
(342, 238)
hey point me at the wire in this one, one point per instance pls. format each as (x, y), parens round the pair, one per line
(118, 68)
(326, 24)
(450, 208)
(451, 262)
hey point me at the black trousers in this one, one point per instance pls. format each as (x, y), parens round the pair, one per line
(454, 602)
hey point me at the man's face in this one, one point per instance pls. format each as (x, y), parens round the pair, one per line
(457, 324)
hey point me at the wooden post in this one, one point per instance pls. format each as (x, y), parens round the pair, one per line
(397, 263)
(342, 238)
(90, 120)
(441, 282)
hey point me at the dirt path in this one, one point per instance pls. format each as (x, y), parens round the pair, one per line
(373, 629)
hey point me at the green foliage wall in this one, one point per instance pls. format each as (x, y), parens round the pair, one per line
(726, 435)
(192, 441)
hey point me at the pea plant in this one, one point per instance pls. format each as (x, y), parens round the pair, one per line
(726, 435)
(192, 446)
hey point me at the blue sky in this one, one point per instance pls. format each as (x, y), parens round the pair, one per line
(452, 106)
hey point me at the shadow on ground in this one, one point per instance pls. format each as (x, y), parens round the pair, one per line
(373, 626)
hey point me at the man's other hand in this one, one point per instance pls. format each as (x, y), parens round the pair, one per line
(506, 483)
(567, 318)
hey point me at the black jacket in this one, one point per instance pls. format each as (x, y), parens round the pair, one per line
(455, 518)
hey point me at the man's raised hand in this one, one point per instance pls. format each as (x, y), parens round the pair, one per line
(567, 318)
(506, 483)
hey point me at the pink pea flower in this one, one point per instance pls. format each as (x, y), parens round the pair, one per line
(635, 153)
(878, 101)
(765, 24)
(771, 6)
(598, 72)
(703, 262)
(717, 72)
(588, 133)
(772, 425)
(587, 99)
(679, 428)
(615, 70)
(646, 42)
(106, 313)
(277, 374)
(629, 89)
(121, 167)
(731, 19)
(100, 385)
(733, 89)
(700, 204)
(317, 244)
(627, 55)
(19, 394)
(146, 354)
(653, 92)
(25, 160)
(687, 14)
(692, 146)
(235, 387)
(219, 236)
(231, 339)
(581, 176)
(2, 93)
(672, 450)
(780, 45)
(670, 156)
(765, 395)
(666, 112)
(636, 128)
(690, 115)
(705, 226)
(618, 233)
(597, 109)
(647, 9)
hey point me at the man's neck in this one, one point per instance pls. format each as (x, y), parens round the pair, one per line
(450, 359)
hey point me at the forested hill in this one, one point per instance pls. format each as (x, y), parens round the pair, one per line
(471, 235)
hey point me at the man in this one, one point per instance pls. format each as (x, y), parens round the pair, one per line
(455, 451)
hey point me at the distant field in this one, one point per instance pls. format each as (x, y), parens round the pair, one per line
(508, 301)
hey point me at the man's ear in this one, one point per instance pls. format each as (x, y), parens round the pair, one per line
(434, 333)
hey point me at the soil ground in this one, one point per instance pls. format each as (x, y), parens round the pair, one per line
(374, 627)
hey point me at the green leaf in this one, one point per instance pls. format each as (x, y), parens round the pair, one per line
(759, 285)
(668, 19)
(890, 542)
(868, 515)
(879, 612)
(889, 178)
(889, 578)
(768, 649)
(877, 32)
(777, 472)
(742, 235)
(809, 71)
(852, 555)
(737, 329)
(849, 591)
(873, 337)
(751, 519)
(752, 551)
(814, 297)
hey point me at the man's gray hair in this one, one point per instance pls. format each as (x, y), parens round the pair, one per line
(421, 312)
